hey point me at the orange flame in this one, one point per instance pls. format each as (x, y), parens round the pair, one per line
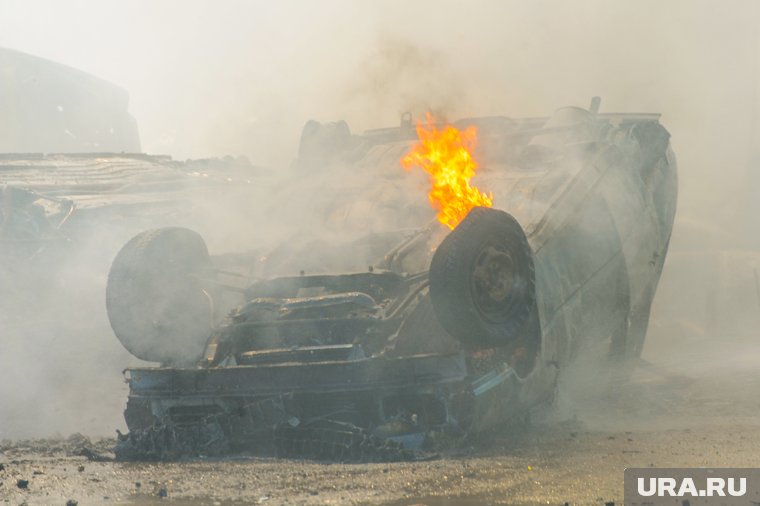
(446, 155)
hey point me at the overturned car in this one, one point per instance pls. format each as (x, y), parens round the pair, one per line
(448, 333)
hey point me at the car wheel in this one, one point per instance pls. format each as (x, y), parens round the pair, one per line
(155, 300)
(482, 281)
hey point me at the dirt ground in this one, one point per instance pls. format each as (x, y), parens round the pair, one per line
(699, 410)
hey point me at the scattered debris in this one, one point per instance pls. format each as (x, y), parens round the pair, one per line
(92, 456)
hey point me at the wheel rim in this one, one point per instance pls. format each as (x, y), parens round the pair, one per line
(493, 283)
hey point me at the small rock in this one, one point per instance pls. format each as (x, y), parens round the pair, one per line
(22, 483)
(72, 502)
(80, 468)
(138, 484)
(37, 473)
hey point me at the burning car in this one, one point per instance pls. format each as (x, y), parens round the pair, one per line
(460, 324)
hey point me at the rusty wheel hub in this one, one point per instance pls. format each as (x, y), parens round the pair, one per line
(493, 274)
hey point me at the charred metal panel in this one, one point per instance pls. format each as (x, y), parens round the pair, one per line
(343, 376)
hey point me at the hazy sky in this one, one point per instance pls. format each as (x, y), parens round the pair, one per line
(241, 77)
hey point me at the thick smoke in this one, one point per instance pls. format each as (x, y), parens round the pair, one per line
(242, 78)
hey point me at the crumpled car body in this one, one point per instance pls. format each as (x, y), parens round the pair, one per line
(449, 333)
(54, 206)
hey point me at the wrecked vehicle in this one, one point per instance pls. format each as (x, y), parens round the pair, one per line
(54, 206)
(448, 333)
(71, 171)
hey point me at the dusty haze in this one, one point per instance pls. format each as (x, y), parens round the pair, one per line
(242, 77)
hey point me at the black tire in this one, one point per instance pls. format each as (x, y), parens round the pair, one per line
(482, 281)
(155, 301)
